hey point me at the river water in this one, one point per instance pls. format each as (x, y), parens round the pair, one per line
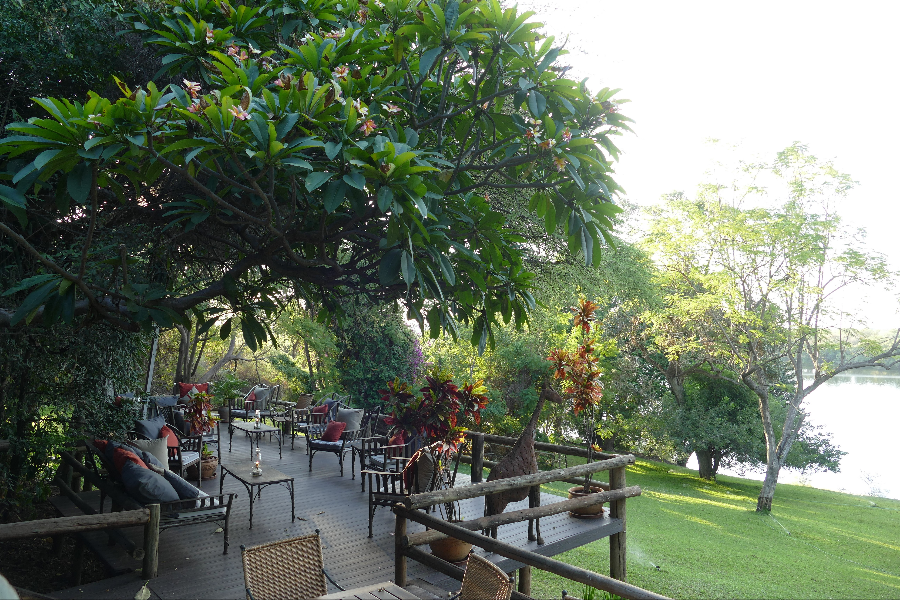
(862, 412)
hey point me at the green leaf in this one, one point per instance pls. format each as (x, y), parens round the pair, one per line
(389, 269)
(332, 149)
(428, 60)
(355, 179)
(537, 104)
(29, 282)
(12, 196)
(334, 195)
(225, 330)
(249, 335)
(297, 162)
(447, 270)
(385, 198)
(548, 60)
(407, 268)
(34, 300)
(316, 179)
(78, 183)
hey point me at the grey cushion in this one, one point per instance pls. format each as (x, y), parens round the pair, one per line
(165, 400)
(150, 428)
(178, 421)
(185, 490)
(351, 416)
(157, 449)
(263, 395)
(145, 486)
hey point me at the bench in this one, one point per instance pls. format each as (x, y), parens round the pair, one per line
(204, 509)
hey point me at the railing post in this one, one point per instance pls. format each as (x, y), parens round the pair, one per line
(151, 543)
(617, 568)
(477, 457)
(400, 544)
(525, 580)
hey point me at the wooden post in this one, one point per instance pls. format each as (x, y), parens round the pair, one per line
(151, 543)
(477, 457)
(400, 544)
(617, 568)
(77, 560)
(525, 580)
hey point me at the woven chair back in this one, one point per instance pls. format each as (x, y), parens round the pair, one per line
(291, 568)
(483, 580)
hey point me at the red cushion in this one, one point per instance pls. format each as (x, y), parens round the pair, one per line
(397, 440)
(333, 431)
(173, 441)
(100, 445)
(185, 388)
(121, 456)
(321, 410)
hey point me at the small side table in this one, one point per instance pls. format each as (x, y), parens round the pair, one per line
(270, 476)
(249, 427)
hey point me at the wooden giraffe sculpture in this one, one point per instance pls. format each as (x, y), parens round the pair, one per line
(521, 460)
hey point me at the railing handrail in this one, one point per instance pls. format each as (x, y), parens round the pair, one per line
(482, 489)
(501, 440)
(76, 524)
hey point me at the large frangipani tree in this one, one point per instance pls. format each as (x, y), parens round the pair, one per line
(337, 147)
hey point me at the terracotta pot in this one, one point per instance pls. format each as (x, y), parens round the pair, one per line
(587, 511)
(451, 549)
(208, 468)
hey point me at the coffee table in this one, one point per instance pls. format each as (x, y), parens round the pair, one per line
(249, 427)
(270, 476)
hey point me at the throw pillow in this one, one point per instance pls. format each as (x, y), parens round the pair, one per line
(333, 431)
(178, 418)
(145, 486)
(100, 444)
(158, 449)
(351, 416)
(169, 435)
(187, 388)
(396, 440)
(185, 490)
(150, 428)
(121, 456)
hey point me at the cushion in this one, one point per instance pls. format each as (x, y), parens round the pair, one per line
(185, 490)
(396, 440)
(155, 448)
(351, 416)
(187, 388)
(320, 410)
(145, 486)
(150, 428)
(165, 400)
(333, 431)
(172, 439)
(262, 398)
(178, 420)
(120, 456)
(100, 444)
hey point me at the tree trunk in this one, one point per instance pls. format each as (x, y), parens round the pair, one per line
(309, 364)
(230, 355)
(705, 463)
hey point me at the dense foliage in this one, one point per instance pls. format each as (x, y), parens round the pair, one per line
(338, 148)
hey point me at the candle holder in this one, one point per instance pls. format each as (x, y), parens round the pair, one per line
(256, 469)
(256, 425)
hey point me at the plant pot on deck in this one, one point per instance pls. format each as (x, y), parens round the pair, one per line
(587, 511)
(451, 549)
(208, 468)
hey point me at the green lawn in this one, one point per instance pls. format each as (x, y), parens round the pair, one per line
(709, 542)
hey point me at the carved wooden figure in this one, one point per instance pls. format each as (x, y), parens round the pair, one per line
(521, 460)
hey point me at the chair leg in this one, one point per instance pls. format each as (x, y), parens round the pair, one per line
(310, 456)
(341, 462)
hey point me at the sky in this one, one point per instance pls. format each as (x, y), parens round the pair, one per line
(758, 74)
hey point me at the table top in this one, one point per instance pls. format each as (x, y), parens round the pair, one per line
(379, 591)
(241, 470)
(250, 427)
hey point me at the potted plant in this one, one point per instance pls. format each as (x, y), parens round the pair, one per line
(579, 373)
(198, 413)
(228, 388)
(208, 465)
(437, 416)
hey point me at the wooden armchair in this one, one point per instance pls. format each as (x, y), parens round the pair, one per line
(425, 471)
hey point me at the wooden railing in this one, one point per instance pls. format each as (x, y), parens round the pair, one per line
(615, 492)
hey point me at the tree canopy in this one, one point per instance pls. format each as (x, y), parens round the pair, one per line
(313, 148)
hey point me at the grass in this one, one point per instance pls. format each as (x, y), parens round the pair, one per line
(709, 542)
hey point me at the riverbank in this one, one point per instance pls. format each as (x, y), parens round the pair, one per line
(689, 538)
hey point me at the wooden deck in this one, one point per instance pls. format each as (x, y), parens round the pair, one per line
(191, 563)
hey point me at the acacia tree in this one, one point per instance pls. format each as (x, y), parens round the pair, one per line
(340, 148)
(759, 286)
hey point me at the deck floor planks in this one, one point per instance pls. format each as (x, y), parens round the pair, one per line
(191, 563)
